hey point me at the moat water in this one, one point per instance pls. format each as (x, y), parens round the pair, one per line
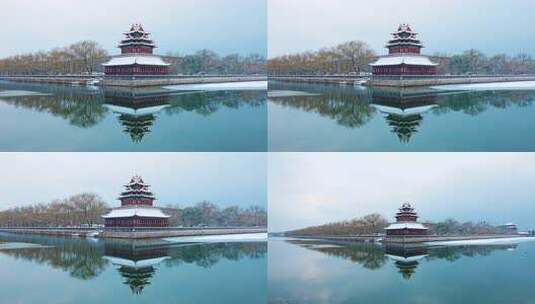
(38, 269)
(312, 271)
(314, 117)
(40, 117)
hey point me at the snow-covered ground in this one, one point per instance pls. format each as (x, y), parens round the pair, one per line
(223, 86)
(288, 93)
(15, 93)
(493, 86)
(497, 241)
(223, 238)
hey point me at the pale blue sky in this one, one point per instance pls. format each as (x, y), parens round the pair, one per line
(452, 26)
(316, 188)
(183, 178)
(225, 26)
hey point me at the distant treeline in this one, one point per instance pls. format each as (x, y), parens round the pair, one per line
(209, 214)
(86, 209)
(375, 224)
(476, 62)
(86, 57)
(209, 62)
(344, 58)
(355, 57)
(369, 224)
(80, 57)
(453, 227)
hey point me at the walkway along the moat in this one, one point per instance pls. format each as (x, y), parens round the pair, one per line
(401, 81)
(136, 233)
(133, 81)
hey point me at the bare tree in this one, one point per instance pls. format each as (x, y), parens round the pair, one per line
(88, 52)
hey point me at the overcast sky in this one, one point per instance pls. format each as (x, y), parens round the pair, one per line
(185, 26)
(183, 178)
(452, 26)
(316, 188)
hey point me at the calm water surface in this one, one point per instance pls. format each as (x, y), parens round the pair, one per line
(69, 270)
(316, 272)
(38, 117)
(309, 117)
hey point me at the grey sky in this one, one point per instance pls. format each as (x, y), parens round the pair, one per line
(315, 188)
(183, 178)
(452, 26)
(185, 26)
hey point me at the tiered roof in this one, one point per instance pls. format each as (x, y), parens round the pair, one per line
(138, 211)
(136, 188)
(406, 219)
(406, 59)
(404, 36)
(406, 210)
(401, 50)
(137, 36)
(141, 59)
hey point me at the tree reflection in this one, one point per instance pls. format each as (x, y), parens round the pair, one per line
(80, 106)
(136, 261)
(406, 258)
(403, 108)
(137, 109)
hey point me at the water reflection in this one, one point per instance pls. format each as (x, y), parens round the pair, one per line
(137, 110)
(137, 261)
(406, 258)
(404, 111)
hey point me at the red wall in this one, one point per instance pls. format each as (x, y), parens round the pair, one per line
(139, 201)
(402, 232)
(136, 49)
(136, 221)
(136, 69)
(404, 70)
(404, 49)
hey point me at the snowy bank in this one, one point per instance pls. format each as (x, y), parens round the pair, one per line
(16, 93)
(223, 238)
(289, 93)
(492, 86)
(496, 241)
(12, 246)
(223, 86)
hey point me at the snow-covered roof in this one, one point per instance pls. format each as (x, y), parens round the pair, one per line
(407, 111)
(408, 60)
(137, 211)
(408, 225)
(137, 264)
(136, 112)
(141, 59)
(406, 259)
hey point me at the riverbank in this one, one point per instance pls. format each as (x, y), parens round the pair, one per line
(133, 82)
(406, 239)
(401, 82)
(140, 234)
